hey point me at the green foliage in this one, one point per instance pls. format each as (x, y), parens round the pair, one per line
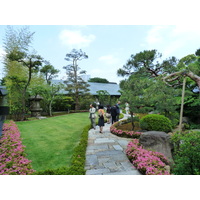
(154, 122)
(98, 80)
(103, 97)
(134, 91)
(62, 103)
(85, 101)
(146, 63)
(49, 72)
(186, 153)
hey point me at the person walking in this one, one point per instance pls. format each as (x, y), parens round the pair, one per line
(92, 116)
(118, 111)
(101, 114)
(113, 112)
(108, 114)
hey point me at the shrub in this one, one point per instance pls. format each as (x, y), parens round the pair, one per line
(186, 153)
(155, 122)
(147, 162)
(123, 133)
(12, 156)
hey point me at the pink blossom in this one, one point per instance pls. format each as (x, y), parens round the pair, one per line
(12, 160)
(147, 162)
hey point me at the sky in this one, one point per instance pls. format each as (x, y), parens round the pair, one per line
(109, 31)
(108, 46)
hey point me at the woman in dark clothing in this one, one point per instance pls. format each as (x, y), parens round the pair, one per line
(114, 113)
(108, 114)
(101, 114)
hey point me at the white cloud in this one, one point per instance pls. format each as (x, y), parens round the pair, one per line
(76, 38)
(175, 40)
(109, 59)
(154, 35)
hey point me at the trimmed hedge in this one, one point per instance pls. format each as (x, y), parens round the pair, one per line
(78, 159)
(155, 122)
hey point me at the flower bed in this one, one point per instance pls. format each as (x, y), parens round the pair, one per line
(123, 133)
(12, 156)
(147, 162)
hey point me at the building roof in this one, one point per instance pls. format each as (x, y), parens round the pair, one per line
(3, 91)
(111, 88)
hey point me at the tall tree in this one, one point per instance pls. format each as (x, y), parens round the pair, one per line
(19, 65)
(76, 86)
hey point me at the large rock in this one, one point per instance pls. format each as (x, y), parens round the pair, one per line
(157, 141)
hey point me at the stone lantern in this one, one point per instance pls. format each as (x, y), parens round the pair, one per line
(35, 106)
(4, 110)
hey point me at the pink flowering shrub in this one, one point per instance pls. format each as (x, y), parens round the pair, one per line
(147, 162)
(12, 156)
(123, 133)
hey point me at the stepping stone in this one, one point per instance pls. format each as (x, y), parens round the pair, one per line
(118, 147)
(103, 140)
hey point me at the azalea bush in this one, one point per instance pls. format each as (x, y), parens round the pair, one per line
(123, 133)
(12, 156)
(147, 162)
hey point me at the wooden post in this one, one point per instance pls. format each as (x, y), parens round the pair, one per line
(182, 104)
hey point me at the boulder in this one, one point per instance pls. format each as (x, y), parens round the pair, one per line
(157, 141)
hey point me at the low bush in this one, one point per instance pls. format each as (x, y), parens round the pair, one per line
(78, 159)
(123, 133)
(155, 122)
(186, 153)
(12, 156)
(147, 162)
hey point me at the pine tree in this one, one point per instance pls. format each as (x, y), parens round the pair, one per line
(76, 86)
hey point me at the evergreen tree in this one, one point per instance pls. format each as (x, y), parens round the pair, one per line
(76, 86)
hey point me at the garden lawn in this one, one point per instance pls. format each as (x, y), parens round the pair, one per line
(50, 142)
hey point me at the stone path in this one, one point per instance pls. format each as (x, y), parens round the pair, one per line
(105, 154)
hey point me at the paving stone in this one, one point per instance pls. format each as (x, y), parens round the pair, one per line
(110, 165)
(97, 147)
(132, 172)
(127, 165)
(103, 140)
(120, 157)
(97, 171)
(118, 147)
(105, 154)
(91, 160)
(123, 143)
(103, 159)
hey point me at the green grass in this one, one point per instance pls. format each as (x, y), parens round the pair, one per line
(50, 142)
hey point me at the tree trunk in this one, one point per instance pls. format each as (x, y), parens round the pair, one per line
(190, 74)
(132, 121)
(50, 108)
